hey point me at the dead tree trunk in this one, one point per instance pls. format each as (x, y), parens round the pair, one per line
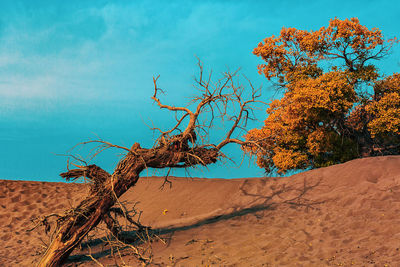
(90, 211)
(171, 150)
(107, 189)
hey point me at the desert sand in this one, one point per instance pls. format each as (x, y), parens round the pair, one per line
(343, 215)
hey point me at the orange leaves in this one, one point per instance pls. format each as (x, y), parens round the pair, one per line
(276, 55)
(319, 141)
(385, 110)
(299, 124)
(389, 85)
(346, 40)
(293, 48)
(326, 114)
(386, 113)
(329, 92)
(285, 159)
(351, 32)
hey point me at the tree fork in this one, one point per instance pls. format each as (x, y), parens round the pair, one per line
(179, 147)
(91, 211)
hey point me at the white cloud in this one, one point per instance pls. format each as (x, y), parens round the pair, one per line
(56, 57)
(32, 87)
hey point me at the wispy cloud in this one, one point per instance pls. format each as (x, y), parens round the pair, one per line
(110, 50)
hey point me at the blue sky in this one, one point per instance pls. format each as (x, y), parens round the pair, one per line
(74, 70)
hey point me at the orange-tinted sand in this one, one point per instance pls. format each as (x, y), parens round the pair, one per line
(344, 215)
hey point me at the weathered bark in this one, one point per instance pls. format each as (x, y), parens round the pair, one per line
(91, 211)
(106, 189)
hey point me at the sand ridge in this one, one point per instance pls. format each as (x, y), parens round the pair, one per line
(344, 215)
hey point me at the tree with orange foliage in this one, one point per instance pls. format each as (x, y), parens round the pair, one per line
(335, 105)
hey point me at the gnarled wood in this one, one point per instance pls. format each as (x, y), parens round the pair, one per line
(175, 148)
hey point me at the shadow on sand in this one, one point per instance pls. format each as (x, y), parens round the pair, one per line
(279, 194)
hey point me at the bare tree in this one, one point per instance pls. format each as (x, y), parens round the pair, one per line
(185, 145)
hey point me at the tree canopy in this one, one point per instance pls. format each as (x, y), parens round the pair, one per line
(336, 106)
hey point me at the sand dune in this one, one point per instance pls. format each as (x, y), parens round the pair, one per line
(344, 215)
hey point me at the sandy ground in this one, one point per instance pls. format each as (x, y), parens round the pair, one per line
(344, 215)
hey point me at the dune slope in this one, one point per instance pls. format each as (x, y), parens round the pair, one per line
(346, 215)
